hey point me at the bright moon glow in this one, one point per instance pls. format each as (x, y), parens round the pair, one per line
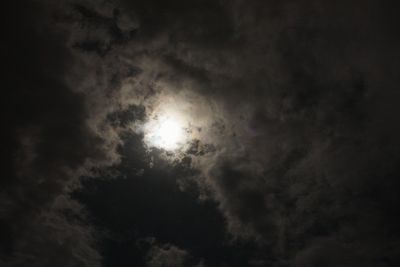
(167, 133)
(173, 122)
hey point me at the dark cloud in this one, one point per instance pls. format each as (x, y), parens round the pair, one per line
(315, 162)
(46, 145)
(298, 151)
(170, 255)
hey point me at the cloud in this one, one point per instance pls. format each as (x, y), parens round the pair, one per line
(302, 149)
(48, 143)
(297, 100)
(311, 160)
(168, 255)
(302, 115)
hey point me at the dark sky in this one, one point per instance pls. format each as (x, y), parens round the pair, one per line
(293, 122)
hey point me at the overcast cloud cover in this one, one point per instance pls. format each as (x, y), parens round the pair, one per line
(296, 156)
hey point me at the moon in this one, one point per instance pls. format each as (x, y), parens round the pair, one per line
(174, 121)
(166, 132)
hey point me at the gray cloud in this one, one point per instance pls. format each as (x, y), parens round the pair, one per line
(165, 255)
(304, 139)
(301, 90)
(48, 143)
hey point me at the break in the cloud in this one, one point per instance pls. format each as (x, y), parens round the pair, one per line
(298, 100)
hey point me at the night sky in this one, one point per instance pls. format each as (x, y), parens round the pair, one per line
(200, 133)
